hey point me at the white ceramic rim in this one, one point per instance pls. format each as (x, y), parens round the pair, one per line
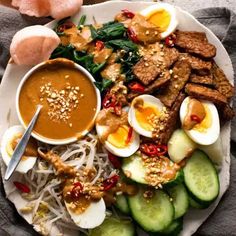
(40, 137)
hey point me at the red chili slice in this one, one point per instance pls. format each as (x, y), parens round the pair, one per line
(114, 160)
(127, 13)
(132, 35)
(151, 149)
(110, 182)
(66, 25)
(170, 40)
(76, 190)
(109, 100)
(129, 136)
(22, 187)
(136, 87)
(161, 150)
(99, 45)
(195, 118)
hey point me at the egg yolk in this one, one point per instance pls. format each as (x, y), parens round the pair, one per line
(160, 18)
(145, 116)
(206, 122)
(119, 137)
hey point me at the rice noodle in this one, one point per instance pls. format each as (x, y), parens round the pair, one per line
(49, 207)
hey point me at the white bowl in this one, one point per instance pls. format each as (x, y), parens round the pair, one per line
(40, 137)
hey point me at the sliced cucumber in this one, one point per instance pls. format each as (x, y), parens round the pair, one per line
(134, 169)
(180, 146)
(174, 228)
(195, 204)
(201, 178)
(180, 199)
(153, 214)
(114, 227)
(122, 204)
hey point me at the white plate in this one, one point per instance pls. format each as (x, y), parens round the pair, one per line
(103, 13)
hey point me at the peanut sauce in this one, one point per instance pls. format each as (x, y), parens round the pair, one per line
(56, 161)
(169, 171)
(160, 170)
(111, 121)
(73, 36)
(30, 150)
(68, 98)
(196, 108)
(102, 55)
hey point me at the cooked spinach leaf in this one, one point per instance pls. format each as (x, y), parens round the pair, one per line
(104, 84)
(127, 45)
(108, 31)
(128, 61)
(63, 51)
(86, 60)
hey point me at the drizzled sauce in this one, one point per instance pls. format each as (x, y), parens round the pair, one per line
(111, 121)
(31, 148)
(195, 108)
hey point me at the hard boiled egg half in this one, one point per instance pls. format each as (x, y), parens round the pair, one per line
(143, 112)
(206, 131)
(162, 15)
(116, 142)
(92, 217)
(8, 144)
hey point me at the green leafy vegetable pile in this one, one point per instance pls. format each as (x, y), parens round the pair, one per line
(114, 35)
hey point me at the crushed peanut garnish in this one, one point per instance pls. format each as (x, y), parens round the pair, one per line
(61, 102)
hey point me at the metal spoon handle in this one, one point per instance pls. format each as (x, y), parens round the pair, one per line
(21, 146)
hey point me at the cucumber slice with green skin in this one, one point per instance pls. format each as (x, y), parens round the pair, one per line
(201, 178)
(180, 199)
(172, 230)
(122, 204)
(198, 205)
(153, 214)
(114, 227)
(134, 169)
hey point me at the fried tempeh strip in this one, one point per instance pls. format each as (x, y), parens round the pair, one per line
(163, 79)
(196, 35)
(195, 44)
(222, 84)
(167, 124)
(147, 69)
(150, 66)
(202, 79)
(201, 92)
(153, 87)
(180, 77)
(197, 64)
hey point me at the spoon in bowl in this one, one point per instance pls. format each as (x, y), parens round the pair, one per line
(21, 146)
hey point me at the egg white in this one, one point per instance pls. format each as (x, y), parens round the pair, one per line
(131, 148)
(92, 217)
(170, 9)
(132, 117)
(25, 164)
(212, 133)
